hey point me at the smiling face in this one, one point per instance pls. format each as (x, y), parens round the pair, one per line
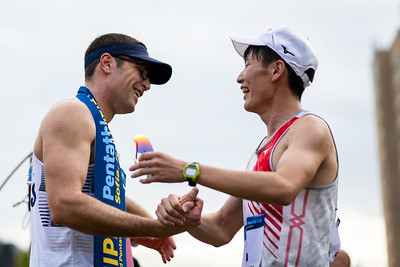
(255, 84)
(128, 86)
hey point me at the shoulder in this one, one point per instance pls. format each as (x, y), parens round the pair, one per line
(313, 124)
(66, 117)
(73, 105)
(311, 129)
(68, 124)
(69, 105)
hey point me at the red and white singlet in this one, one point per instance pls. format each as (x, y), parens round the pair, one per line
(299, 234)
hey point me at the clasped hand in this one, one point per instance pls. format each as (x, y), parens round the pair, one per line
(174, 211)
(178, 211)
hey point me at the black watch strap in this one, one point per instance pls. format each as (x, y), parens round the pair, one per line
(190, 181)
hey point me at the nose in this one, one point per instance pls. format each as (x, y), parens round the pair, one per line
(240, 77)
(146, 84)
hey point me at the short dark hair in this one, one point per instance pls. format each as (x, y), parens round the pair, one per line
(267, 55)
(106, 40)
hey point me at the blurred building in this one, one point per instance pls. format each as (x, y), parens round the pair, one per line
(386, 68)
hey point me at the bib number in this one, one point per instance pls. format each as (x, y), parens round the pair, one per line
(253, 241)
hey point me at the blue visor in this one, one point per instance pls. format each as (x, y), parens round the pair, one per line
(160, 72)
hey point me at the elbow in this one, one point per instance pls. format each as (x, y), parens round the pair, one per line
(59, 213)
(287, 195)
(222, 239)
(219, 243)
(57, 216)
(286, 201)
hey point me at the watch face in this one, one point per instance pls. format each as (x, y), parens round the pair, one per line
(191, 172)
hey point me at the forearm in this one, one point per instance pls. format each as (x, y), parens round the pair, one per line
(262, 186)
(86, 214)
(210, 232)
(220, 227)
(257, 186)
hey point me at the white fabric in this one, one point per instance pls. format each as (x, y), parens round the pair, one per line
(293, 46)
(336, 244)
(56, 245)
(301, 233)
(303, 237)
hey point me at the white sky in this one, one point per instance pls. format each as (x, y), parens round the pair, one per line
(199, 115)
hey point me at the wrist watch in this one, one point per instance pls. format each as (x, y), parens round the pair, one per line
(191, 171)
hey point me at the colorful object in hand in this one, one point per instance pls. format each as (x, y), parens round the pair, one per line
(142, 144)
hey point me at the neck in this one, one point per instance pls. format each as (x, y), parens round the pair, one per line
(279, 113)
(101, 99)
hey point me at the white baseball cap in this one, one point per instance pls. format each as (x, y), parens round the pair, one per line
(290, 44)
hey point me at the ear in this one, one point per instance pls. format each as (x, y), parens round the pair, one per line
(278, 69)
(106, 61)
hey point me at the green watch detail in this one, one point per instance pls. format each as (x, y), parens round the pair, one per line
(191, 171)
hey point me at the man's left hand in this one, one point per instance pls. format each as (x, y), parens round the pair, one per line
(164, 246)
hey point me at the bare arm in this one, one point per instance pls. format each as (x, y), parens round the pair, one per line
(309, 158)
(216, 228)
(64, 146)
(220, 227)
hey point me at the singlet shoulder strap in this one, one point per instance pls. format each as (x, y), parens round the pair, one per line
(263, 144)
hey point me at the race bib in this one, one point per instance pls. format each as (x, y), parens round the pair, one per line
(253, 241)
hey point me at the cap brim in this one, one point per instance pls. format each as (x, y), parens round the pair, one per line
(240, 43)
(160, 72)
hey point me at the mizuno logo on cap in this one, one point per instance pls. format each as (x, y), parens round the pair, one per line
(286, 51)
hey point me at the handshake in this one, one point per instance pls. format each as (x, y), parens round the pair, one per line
(180, 211)
(159, 167)
(178, 214)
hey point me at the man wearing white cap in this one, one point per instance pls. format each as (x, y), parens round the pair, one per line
(79, 213)
(286, 199)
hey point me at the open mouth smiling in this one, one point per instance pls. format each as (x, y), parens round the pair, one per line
(138, 93)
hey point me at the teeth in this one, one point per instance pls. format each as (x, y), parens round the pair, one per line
(245, 90)
(137, 92)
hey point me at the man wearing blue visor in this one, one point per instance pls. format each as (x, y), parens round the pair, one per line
(80, 215)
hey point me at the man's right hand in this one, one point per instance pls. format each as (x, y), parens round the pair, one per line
(181, 211)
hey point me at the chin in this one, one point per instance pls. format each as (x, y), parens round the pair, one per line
(132, 107)
(249, 109)
(127, 110)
